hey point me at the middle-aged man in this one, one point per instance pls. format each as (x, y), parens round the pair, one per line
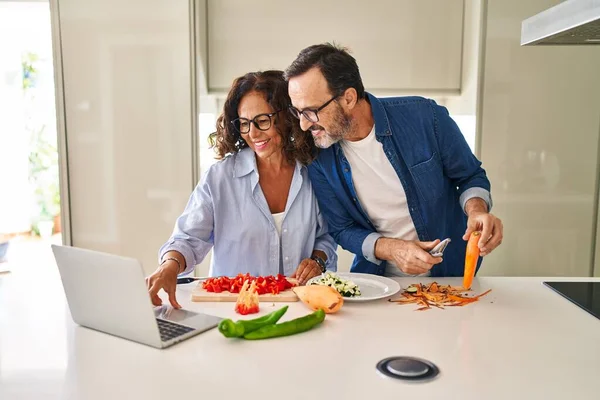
(394, 175)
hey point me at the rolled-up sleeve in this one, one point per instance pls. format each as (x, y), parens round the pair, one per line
(476, 192)
(193, 232)
(368, 247)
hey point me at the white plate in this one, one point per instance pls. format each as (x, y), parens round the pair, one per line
(372, 287)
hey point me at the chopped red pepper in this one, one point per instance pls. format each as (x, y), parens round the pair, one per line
(264, 284)
(247, 301)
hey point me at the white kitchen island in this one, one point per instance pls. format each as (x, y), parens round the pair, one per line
(521, 341)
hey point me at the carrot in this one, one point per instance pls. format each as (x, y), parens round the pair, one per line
(471, 259)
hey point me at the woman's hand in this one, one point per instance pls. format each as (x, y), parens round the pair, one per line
(165, 277)
(307, 269)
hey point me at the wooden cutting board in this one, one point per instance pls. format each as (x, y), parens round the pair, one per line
(199, 294)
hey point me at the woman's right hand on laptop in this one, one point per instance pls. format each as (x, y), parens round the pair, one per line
(165, 277)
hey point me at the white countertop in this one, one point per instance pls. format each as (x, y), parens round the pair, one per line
(520, 341)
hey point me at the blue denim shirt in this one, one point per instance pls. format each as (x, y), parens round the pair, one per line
(229, 211)
(436, 167)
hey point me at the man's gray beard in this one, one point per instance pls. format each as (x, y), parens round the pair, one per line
(345, 127)
(326, 141)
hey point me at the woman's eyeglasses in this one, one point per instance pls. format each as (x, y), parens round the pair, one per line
(262, 122)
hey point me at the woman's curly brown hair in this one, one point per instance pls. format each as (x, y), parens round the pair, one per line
(297, 144)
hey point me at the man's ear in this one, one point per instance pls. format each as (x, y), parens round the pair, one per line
(350, 98)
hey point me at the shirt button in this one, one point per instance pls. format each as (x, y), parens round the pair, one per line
(287, 258)
(345, 169)
(354, 199)
(285, 231)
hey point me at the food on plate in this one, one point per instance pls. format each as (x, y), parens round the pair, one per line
(345, 287)
(264, 284)
(247, 301)
(436, 295)
(318, 297)
(238, 329)
(471, 259)
(287, 328)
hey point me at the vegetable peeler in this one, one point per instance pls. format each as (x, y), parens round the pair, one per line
(438, 250)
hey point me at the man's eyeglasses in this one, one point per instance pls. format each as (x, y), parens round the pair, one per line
(262, 122)
(311, 114)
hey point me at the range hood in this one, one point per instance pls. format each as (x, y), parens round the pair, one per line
(572, 22)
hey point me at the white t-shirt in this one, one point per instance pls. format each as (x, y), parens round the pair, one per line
(278, 218)
(380, 192)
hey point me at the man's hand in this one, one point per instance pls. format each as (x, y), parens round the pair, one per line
(307, 269)
(479, 219)
(165, 277)
(411, 257)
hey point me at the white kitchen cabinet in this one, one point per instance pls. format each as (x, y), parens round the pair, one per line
(400, 45)
(539, 138)
(127, 114)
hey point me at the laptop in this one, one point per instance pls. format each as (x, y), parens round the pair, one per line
(108, 293)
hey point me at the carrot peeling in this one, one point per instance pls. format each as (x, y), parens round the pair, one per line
(435, 295)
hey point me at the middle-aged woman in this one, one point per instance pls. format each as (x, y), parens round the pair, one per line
(255, 205)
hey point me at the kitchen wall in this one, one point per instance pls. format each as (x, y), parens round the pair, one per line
(539, 136)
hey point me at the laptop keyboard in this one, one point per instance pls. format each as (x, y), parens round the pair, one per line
(169, 330)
